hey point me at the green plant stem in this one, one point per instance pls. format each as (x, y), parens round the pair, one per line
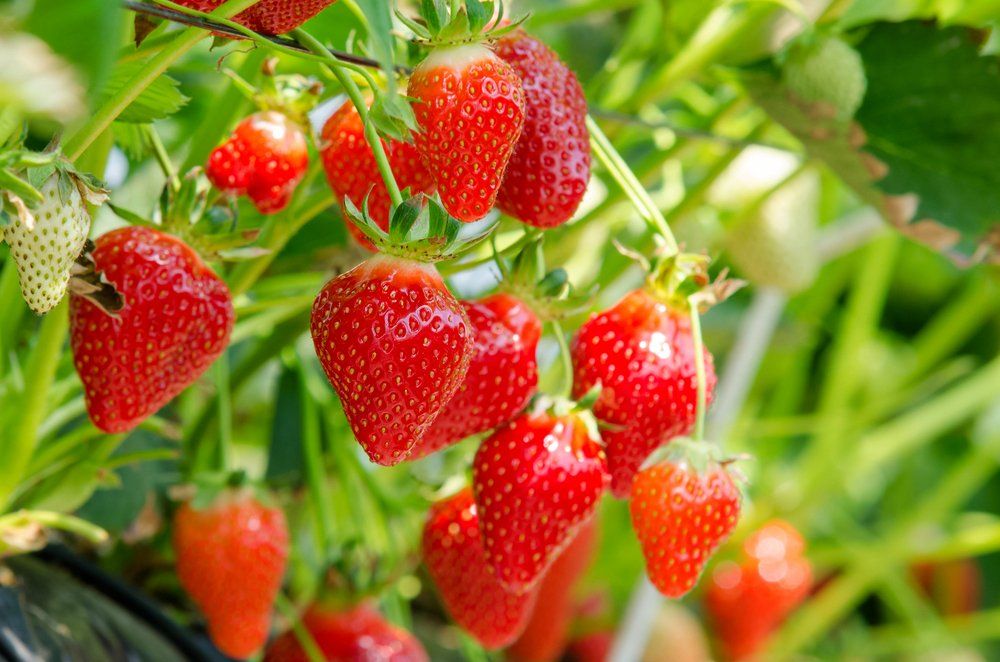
(699, 370)
(14, 309)
(162, 157)
(304, 637)
(61, 521)
(316, 479)
(566, 359)
(224, 399)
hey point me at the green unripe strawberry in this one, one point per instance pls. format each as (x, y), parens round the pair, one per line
(827, 71)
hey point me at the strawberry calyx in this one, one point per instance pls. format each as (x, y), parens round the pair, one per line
(357, 572)
(550, 295)
(22, 174)
(699, 456)
(210, 488)
(441, 24)
(292, 95)
(675, 279)
(577, 411)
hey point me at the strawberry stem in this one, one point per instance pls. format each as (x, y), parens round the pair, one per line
(316, 479)
(699, 369)
(292, 614)
(566, 387)
(162, 158)
(223, 454)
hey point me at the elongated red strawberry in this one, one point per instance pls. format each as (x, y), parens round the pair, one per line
(550, 168)
(357, 634)
(641, 352)
(176, 321)
(268, 16)
(680, 518)
(454, 556)
(537, 480)
(396, 345)
(352, 172)
(502, 375)
(231, 561)
(748, 601)
(470, 108)
(265, 159)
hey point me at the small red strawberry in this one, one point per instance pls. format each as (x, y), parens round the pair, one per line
(265, 159)
(268, 16)
(469, 106)
(681, 517)
(175, 322)
(231, 561)
(591, 647)
(454, 556)
(549, 171)
(395, 345)
(748, 601)
(352, 172)
(502, 376)
(641, 352)
(537, 480)
(357, 634)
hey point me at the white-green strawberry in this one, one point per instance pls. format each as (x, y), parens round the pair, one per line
(826, 70)
(44, 250)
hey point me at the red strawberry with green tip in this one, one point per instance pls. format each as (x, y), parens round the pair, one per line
(548, 173)
(537, 480)
(455, 559)
(469, 107)
(681, 516)
(176, 321)
(231, 560)
(268, 16)
(502, 375)
(395, 344)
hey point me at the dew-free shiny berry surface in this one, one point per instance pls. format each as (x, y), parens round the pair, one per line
(548, 173)
(642, 353)
(395, 345)
(680, 518)
(455, 559)
(268, 16)
(502, 375)
(536, 480)
(176, 321)
(470, 109)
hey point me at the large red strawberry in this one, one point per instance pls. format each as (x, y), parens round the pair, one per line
(470, 109)
(357, 634)
(352, 172)
(176, 321)
(231, 561)
(680, 517)
(396, 345)
(454, 556)
(549, 171)
(537, 480)
(502, 376)
(265, 159)
(268, 16)
(641, 352)
(747, 601)
(547, 633)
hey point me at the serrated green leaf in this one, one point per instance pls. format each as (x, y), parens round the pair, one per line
(380, 43)
(131, 138)
(159, 100)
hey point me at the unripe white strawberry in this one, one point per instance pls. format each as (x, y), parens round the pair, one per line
(827, 71)
(44, 251)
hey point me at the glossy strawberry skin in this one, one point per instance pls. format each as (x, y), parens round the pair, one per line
(549, 171)
(268, 16)
(642, 353)
(176, 321)
(456, 561)
(231, 560)
(547, 633)
(395, 345)
(265, 159)
(681, 517)
(358, 634)
(352, 172)
(470, 109)
(537, 480)
(748, 601)
(502, 375)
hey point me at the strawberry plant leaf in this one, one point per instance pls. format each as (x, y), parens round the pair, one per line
(159, 100)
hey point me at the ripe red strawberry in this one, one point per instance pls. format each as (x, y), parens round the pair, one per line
(549, 171)
(537, 480)
(352, 172)
(747, 601)
(358, 634)
(470, 109)
(396, 345)
(547, 633)
(502, 376)
(265, 159)
(268, 16)
(680, 518)
(641, 352)
(176, 321)
(231, 561)
(454, 556)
